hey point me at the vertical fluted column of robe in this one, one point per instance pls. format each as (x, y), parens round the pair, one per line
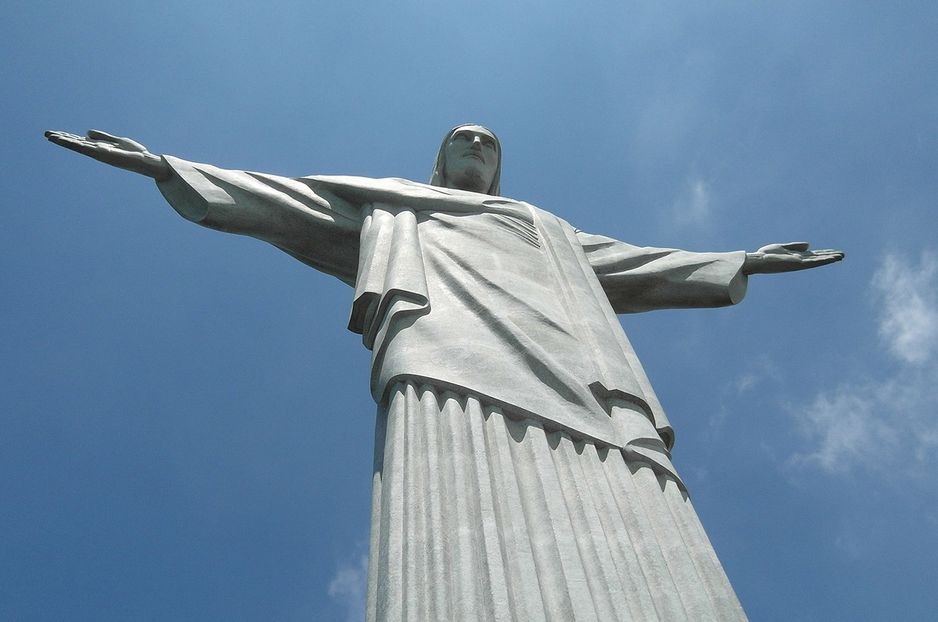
(481, 516)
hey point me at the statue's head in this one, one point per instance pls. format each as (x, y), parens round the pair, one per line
(470, 158)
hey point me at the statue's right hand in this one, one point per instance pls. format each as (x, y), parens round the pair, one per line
(114, 150)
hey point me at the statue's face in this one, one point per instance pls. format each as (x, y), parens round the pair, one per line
(471, 159)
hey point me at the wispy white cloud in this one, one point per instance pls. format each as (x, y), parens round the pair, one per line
(890, 422)
(745, 382)
(855, 546)
(349, 587)
(760, 370)
(848, 426)
(909, 313)
(693, 205)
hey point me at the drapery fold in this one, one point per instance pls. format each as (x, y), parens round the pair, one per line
(522, 465)
(480, 515)
(482, 294)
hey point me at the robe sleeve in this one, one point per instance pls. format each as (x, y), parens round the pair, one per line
(644, 278)
(299, 216)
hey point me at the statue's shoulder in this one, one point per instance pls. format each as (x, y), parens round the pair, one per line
(376, 184)
(417, 195)
(543, 214)
(358, 182)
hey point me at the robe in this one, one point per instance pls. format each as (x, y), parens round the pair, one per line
(522, 465)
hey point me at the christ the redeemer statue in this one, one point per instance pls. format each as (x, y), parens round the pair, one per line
(522, 467)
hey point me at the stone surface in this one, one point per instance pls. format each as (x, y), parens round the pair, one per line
(522, 465)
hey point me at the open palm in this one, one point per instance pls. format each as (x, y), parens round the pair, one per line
(788, 258)
(117, 151)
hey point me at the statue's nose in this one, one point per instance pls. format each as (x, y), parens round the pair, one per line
(477, 143)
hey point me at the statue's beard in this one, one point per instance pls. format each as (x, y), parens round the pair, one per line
(468, 179)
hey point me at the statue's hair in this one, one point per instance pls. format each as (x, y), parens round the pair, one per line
(436, 177)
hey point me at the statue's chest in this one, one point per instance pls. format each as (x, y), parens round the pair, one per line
(502, 249)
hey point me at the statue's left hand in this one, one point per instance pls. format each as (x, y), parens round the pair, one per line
(787, 258)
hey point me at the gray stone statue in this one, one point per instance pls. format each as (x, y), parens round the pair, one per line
(522, 467)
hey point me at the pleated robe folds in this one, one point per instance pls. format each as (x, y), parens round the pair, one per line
(522, 465)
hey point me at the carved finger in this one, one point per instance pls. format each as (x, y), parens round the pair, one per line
(54, 136)
(825, 255)
(69, 141)
(81, 147)
(776, 249)
(822, 260)
(132, 145)
(99, 135)
(796, 246)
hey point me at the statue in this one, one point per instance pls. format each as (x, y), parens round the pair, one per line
(522, 460)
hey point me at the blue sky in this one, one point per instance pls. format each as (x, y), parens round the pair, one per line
(185, 427)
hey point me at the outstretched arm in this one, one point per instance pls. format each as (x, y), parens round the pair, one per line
(639, 279)
(643, 278)
(114, 150)
(298, 216)
(788, 257)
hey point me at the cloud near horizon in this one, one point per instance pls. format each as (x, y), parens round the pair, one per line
(693, 206)
(909, 314)
(889, 422)
(349, 587)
